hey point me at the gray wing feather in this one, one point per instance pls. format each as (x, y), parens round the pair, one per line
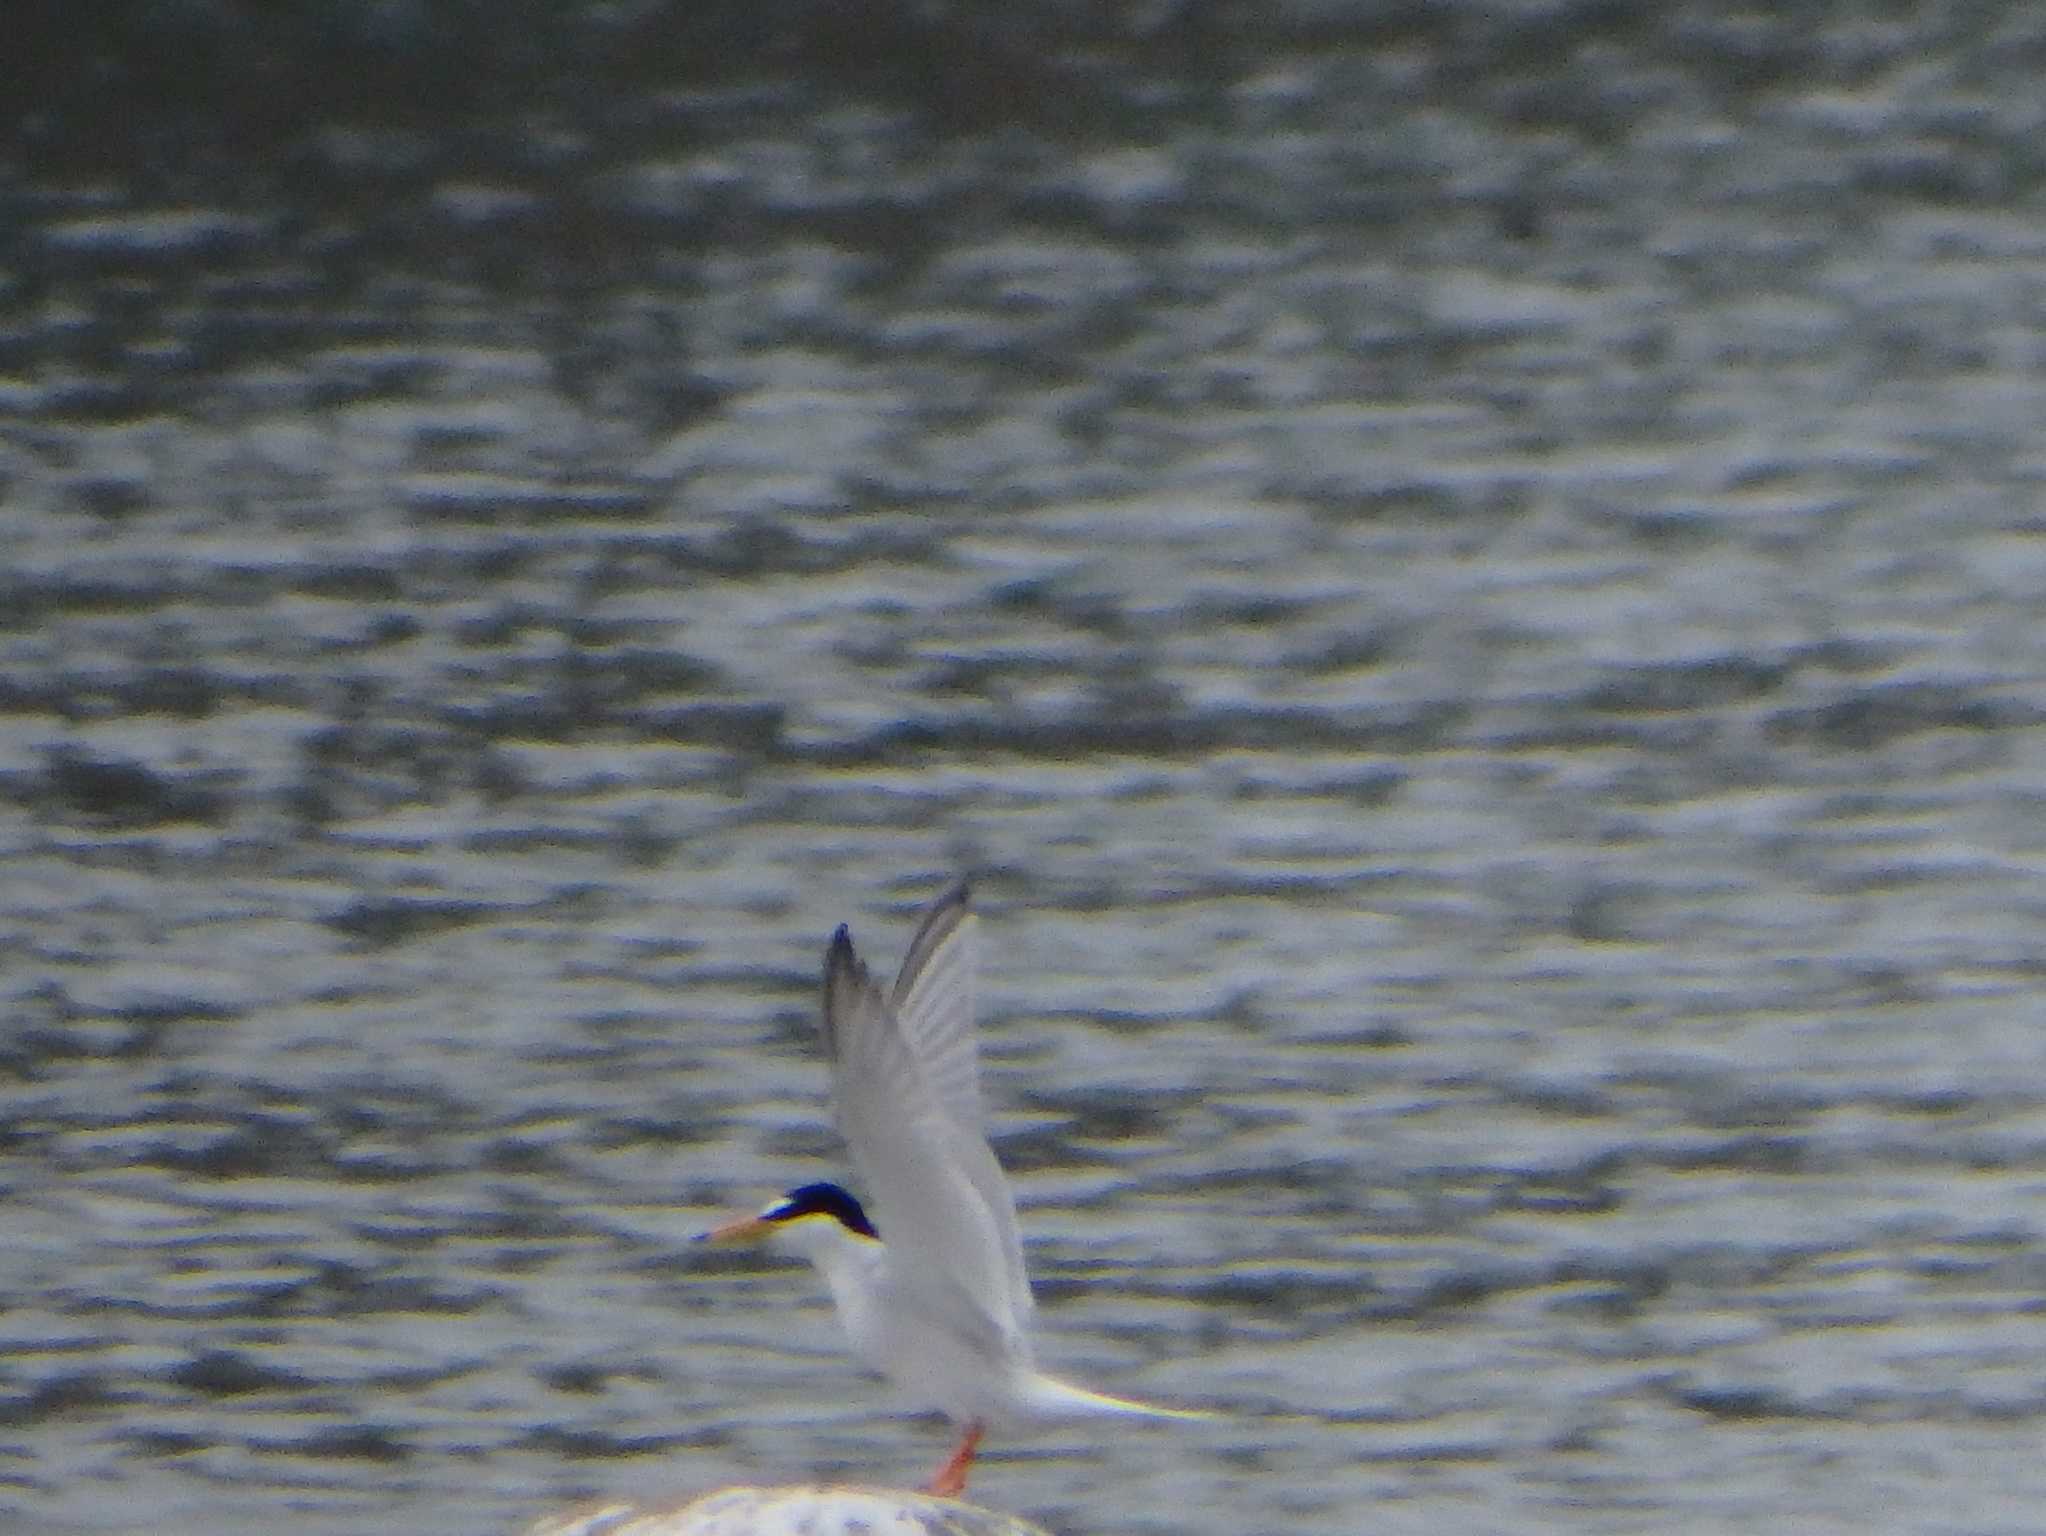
(934, 1003)
(939, 1195)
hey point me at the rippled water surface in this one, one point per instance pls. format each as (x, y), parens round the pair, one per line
(1467, 585)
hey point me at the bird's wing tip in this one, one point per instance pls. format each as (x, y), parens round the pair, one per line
(841, 960)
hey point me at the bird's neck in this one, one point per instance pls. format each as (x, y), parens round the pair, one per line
(852, 1272)
(847, 1264)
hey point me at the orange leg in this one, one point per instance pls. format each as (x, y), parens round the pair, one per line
(949, 1481)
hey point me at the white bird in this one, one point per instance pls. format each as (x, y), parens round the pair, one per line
(942, 1307)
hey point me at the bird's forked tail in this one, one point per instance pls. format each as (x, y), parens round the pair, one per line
(1048, 1395)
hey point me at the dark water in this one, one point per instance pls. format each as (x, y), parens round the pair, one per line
(1468, 583)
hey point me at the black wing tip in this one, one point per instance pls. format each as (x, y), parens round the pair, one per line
(839, 957)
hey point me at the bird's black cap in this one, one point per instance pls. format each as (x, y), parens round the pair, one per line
(822, 1200)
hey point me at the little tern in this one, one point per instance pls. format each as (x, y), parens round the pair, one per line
(932, 1292)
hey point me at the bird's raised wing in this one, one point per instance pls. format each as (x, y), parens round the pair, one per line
(939, 1196)
(934, 1003)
